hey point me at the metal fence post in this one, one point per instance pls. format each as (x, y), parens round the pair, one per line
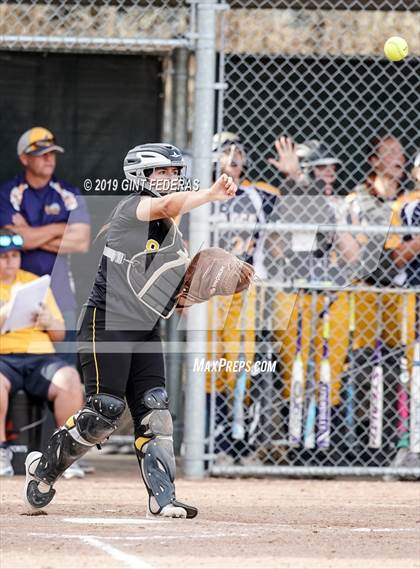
(179, 137)
(180, 97)
(194, 431)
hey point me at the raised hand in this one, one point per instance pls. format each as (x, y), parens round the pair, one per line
(288, 161)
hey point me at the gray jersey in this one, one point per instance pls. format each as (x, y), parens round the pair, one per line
(122, 289)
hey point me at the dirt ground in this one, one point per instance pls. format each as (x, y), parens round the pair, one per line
(99, 522)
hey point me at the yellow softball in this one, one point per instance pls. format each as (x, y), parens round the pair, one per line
(396, 48)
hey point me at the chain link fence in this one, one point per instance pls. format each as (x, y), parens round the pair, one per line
(323, 133)
(323, 214)
(102, 26)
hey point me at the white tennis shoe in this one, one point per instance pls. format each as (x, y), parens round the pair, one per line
(6, 468)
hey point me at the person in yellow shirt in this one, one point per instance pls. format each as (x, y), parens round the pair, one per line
(378, 201)
(27, 356)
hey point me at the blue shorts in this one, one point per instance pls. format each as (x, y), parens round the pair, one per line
(31, 372)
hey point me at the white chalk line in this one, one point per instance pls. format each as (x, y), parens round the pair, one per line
(128, 559)
(384, 530)
(288, 527)
(114, 521)
(278, 527)
(128, 538)
(142, 521)
(386, 505)
(132, 561)
(135, 562)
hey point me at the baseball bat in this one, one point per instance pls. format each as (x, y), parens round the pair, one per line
(296, 392)
(415, 386)
(349, 385)
(377, 386)
(262, 381)
(268, 377)
(256, 384)
(238, 420)
(404, 381)
(309, 430)
(324, 415)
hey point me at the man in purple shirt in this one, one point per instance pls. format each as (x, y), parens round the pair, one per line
(50, 215)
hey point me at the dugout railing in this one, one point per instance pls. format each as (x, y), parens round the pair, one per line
(363, 419)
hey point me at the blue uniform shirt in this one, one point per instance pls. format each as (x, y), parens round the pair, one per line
(57, 202)
(410, 215)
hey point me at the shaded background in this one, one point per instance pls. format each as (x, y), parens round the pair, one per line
(97, 106)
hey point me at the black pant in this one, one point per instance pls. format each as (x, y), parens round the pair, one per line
(124, 363)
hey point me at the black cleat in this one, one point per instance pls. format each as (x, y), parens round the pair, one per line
(36, 494)
(173, 510)
(191, 511)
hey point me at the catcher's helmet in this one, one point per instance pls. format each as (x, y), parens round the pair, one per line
(319, 155)
(145, 157)
(304, 149)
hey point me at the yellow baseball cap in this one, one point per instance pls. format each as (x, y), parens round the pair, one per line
(37, 141)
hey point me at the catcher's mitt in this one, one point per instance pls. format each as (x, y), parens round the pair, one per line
(214, 272)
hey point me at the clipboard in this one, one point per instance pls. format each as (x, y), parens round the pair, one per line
(25, 300)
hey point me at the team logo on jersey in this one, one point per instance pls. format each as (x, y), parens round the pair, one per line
(16, 196)
(69, 199)
(152, 245)
(52, 209)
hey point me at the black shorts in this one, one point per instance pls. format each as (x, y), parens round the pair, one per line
(31, 372)
(124, 363)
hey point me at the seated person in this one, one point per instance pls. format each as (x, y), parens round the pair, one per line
(27, 358)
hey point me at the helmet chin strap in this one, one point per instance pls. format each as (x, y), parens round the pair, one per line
(146, 189)
(143, 184)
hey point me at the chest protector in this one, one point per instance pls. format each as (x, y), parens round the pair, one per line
(155, 275)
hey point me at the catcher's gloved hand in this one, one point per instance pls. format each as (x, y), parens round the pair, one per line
(214, 272)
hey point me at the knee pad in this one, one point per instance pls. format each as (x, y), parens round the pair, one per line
(154, 449)
(94, 423)
(99, 418)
